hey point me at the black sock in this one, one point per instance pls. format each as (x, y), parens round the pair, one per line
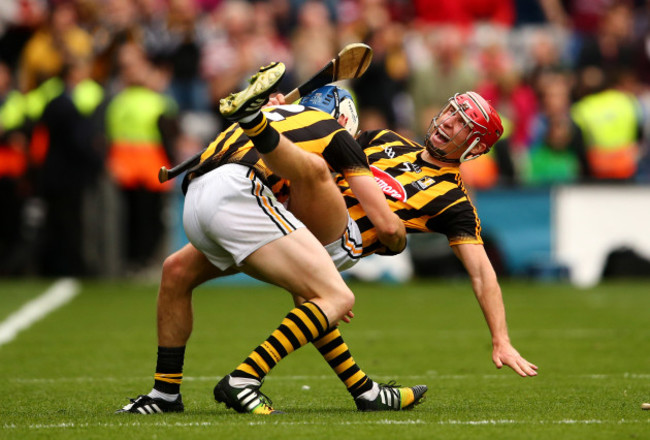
(169, 369)
(264, 137)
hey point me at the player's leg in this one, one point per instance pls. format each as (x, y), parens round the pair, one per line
(234, 219)
(300, 264)
(368, 395)
(315, 199)
(182, 271)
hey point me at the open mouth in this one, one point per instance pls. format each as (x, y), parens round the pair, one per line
(441, 137)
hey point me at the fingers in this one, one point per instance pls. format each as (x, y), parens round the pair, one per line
(348, 317)
(513, 359)
(275, 100)
(522, 367)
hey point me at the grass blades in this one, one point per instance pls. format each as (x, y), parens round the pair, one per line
(64, 376)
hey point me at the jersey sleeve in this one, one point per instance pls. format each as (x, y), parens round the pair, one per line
(460, 223)
(345, 156)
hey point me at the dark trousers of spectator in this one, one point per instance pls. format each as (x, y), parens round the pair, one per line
(144, 226)
(10, 224)
(62, 251)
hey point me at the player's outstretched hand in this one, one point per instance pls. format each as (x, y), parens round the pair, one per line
(277, 99)
(506, 354)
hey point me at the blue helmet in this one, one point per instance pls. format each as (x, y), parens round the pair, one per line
(335, 101)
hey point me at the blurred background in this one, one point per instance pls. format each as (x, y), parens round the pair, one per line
(96, 95)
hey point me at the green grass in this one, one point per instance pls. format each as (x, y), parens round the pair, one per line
(64, 376)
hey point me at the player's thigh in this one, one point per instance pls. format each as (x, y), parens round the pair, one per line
(317, 202)
(229, 213)
(298, 263)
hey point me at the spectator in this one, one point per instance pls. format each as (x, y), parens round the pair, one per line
(504, 87)
(440, 68)
(388, 71)
(142, 128)
(52, 45)
(604, 54)
(557, 154)
(118, 22)
(13, 167)
(72, 163)
(183, 55)
(555, 159)
(466, 13)
(611, 123)
(313, 40)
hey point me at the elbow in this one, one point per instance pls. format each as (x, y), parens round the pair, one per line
(393, 235)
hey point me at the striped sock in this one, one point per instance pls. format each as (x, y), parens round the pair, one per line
(337, 354)
(169, 370)
(301, 326)
(265, 138)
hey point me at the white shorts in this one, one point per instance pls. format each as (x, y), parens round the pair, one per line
(347, 250)
(229, 214)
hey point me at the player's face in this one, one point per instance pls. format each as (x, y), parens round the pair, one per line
(448, 133)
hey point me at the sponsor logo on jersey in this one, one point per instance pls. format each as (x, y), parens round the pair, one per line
(409, 167)
(388, 184)
(425, 182)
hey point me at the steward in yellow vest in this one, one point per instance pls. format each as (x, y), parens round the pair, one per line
(610, 123)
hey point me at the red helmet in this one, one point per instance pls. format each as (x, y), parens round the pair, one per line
(481, 118)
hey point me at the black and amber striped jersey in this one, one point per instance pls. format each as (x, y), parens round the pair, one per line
(427, 198)
(312, 130)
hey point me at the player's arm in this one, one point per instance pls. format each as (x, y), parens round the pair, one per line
(488, 293)
(390, 228)
(348, 158)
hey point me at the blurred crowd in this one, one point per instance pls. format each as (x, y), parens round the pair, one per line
(96, 95)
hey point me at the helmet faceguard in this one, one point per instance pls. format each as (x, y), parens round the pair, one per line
(335, 101)
(480, 124)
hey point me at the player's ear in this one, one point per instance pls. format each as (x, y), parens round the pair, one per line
(480, 148)
(342, 120)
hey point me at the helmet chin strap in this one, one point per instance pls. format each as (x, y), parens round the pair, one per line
(463, 157)
(439, 154)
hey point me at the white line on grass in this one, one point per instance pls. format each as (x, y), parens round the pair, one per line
(56, 296)
(435, 377)
(491, 422)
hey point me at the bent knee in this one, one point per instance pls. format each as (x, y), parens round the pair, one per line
(316, 169)
(184, 269)
(174, 270)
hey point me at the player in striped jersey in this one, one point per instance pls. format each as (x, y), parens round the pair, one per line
(427, 197)
(454, 136)
(216, 201)
(423, 186)
(314, 131)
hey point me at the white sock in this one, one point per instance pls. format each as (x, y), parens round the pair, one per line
(249, 118)
(160, 395)
(241, 382)
(371, 394)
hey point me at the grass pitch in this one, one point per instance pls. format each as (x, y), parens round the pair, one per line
(64, 376)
